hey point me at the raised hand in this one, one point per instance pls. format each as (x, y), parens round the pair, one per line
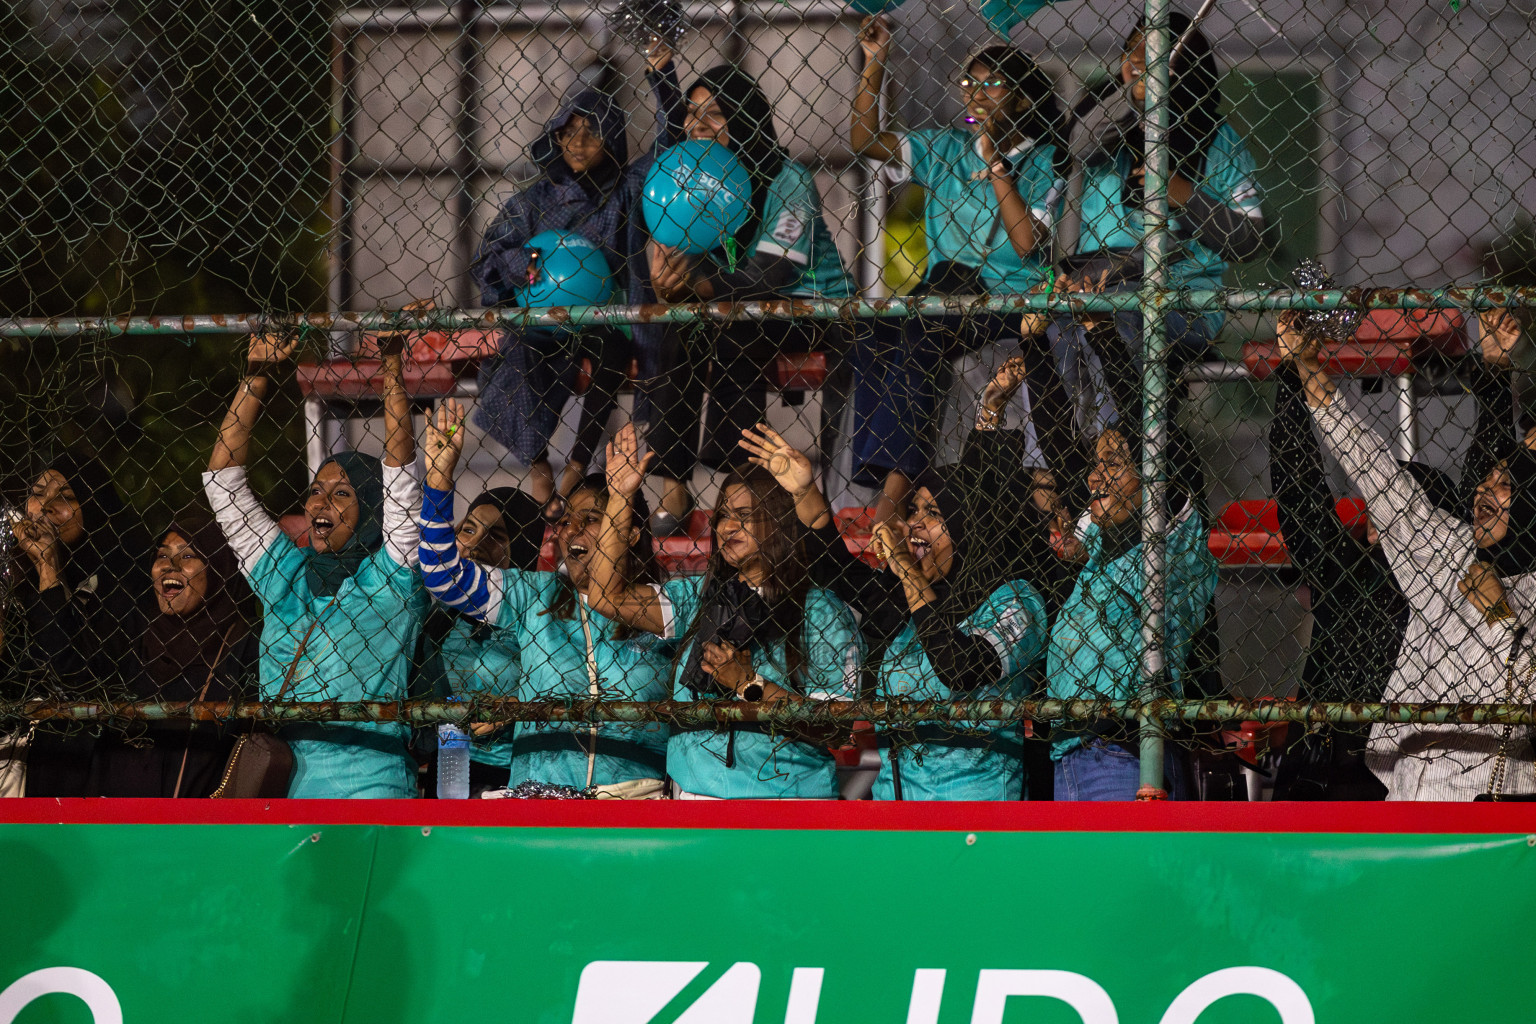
(269, 349)
(658, 54)
(444, 443)
(626, 468)
(1295, 347)
(1499, 335)
(789, 465)
(1003, 385)
(875, 39)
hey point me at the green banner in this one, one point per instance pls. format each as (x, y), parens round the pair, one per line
(275, 923)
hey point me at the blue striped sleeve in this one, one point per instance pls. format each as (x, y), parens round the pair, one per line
(465, 586)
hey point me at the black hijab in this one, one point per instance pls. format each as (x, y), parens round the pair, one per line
(1515, 555)
(998, 532)
(524, 520)
(173, 645)
(108, 561)
(326, 571)
(752, 136)
(1194, 99)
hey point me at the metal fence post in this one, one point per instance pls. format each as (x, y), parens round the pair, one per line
(1154, 384)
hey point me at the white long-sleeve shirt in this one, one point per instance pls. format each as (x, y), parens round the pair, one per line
(251, 530)
(1449, 653)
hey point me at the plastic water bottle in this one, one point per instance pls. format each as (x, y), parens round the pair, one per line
(452, 762)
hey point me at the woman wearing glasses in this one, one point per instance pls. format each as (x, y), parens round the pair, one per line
(992, 189)
(586, 186)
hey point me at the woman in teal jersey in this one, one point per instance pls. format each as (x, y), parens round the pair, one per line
(502, 529)
(568, 649)
(343, 614)
(751, 628)
(784, 250)
(1216, 216)
(963, 612)
(992, 189)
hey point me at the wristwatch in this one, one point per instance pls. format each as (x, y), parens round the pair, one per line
(753, 691)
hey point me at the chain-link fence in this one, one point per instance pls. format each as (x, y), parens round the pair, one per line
(769, 399)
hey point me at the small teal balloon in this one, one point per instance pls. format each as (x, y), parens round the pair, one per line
(572, 272)
(872, 7)
(695, 196)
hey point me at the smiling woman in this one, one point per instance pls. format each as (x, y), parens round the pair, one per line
(341, 616)
(202, 645)
(567, 648)
(751, 628)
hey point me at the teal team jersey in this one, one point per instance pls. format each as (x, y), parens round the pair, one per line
(553, 653)
(959, 761)
(1227, 175)
(962, 217)
(483, 662)
(765, 766)
(359, 649)
(1096, 642)
(793, 227)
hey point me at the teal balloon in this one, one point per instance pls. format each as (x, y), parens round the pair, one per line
(1003, 15)
(874, 6)
(572, 272)
(696, 195)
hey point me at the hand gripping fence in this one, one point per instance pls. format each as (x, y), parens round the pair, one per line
(1043, 473)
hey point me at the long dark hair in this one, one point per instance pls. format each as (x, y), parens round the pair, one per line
(1042, 119)
(639, 561)
(1194, 97)
(787, 581)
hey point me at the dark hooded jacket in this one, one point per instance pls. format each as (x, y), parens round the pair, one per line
(601, 205)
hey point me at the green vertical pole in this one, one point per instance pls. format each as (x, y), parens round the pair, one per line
(1154, 391)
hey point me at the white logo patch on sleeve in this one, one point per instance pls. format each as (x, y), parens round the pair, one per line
(790, 226)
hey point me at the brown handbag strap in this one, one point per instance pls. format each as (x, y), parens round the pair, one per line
(213, 670)
(298, 653)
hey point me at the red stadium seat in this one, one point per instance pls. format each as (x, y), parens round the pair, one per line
(1247, 533)
(799, 371)
(1385, 345)
(1417, 330)
(360, 379)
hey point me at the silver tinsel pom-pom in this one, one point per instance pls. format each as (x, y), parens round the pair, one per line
(533, 789)
(641, 21)
(1334, 324)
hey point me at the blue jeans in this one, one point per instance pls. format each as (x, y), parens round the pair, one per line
(1099, 770)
